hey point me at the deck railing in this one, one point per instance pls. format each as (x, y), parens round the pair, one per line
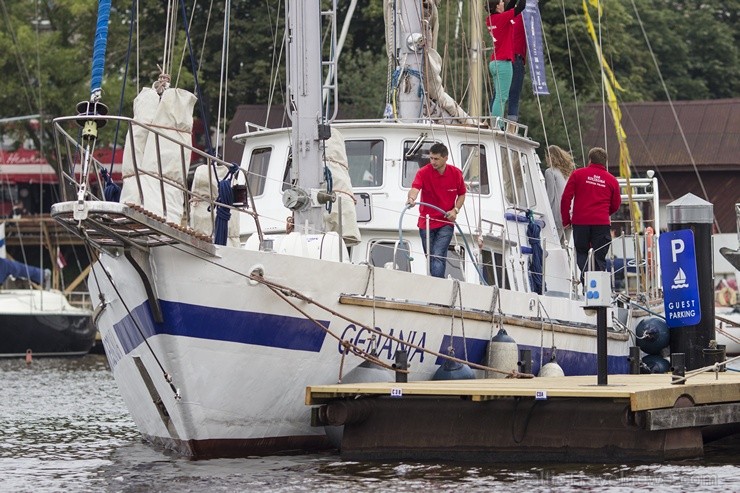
(72, 155)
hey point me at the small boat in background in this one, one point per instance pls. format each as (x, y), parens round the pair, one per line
(38, 319)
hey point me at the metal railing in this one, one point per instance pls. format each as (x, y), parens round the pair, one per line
(71, 152)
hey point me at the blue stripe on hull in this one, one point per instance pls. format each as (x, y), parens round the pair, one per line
(279, 331)
(572, 362)
(220, 324)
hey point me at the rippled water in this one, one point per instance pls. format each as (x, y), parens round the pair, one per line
(63, 427)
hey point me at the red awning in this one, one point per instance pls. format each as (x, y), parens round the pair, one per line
(25, 166)
(29, 166)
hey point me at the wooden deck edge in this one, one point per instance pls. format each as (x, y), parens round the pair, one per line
(410, 306)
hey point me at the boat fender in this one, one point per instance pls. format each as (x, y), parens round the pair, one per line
(503, 354)
(551, 369)
(369, 372)
(656, 363)
(652, 335)
(365, 372)
(453, 370)
(29, 356)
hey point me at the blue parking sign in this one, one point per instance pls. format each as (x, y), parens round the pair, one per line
(680, 280)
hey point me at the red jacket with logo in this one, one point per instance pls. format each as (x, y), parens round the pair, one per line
(595, 195)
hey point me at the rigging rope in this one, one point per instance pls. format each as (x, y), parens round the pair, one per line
(198, 91)
(223, 80)
(134, 15)
(673, 110)
(283, 289)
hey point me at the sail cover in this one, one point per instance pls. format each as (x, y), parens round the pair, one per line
(172, 116)
(336, 160)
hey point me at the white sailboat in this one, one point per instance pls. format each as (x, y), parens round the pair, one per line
(213, 331)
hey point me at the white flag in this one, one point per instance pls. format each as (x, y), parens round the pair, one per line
(2, 240)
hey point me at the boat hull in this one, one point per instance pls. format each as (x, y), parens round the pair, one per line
(43, 323)
(240, 353)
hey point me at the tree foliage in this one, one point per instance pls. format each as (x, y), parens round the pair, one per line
(47, 64)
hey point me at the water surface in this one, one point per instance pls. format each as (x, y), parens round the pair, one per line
(64, 427)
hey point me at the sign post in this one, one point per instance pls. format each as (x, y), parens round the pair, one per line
(598, 297)
(687, 277)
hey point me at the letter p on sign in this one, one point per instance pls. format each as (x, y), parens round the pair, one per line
(677, 247)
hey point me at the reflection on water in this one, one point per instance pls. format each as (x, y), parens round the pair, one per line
(63, 427)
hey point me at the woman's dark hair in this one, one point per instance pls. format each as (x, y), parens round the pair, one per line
(491, 7)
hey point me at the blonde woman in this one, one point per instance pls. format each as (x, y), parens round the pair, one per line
(560, 166)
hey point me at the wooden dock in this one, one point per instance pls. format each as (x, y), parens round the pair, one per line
(634, 418)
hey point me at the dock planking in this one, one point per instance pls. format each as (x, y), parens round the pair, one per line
(645, 392)
(559, 419)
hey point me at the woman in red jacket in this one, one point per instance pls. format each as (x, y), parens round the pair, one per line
(500, 24)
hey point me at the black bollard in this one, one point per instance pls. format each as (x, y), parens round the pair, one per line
(602, 370)
(402, 363)
(634, 359)
(678, 367)
(716, 355)
(691, 212)
(525, 361)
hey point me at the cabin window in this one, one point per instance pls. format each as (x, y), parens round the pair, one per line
(287, 182)
(380, 254)
(475, 168)
(507, 174)
(455, 263)
(365, 159)
(415, 155)
(257, 173)
(513, 178)
(528, 181)
(492, 272)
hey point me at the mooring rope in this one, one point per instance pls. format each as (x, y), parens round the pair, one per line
(715, 367)
(282, 290)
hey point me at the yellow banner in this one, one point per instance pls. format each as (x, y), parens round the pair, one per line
(610, 84)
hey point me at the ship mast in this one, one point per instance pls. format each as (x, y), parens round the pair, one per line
(409, 40)
(310, 119)
(476, 54)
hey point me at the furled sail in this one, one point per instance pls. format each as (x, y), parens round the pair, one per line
(172, 116)
(336, 160)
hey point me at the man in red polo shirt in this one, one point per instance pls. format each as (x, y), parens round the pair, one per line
(443, 187)
(595, 195)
